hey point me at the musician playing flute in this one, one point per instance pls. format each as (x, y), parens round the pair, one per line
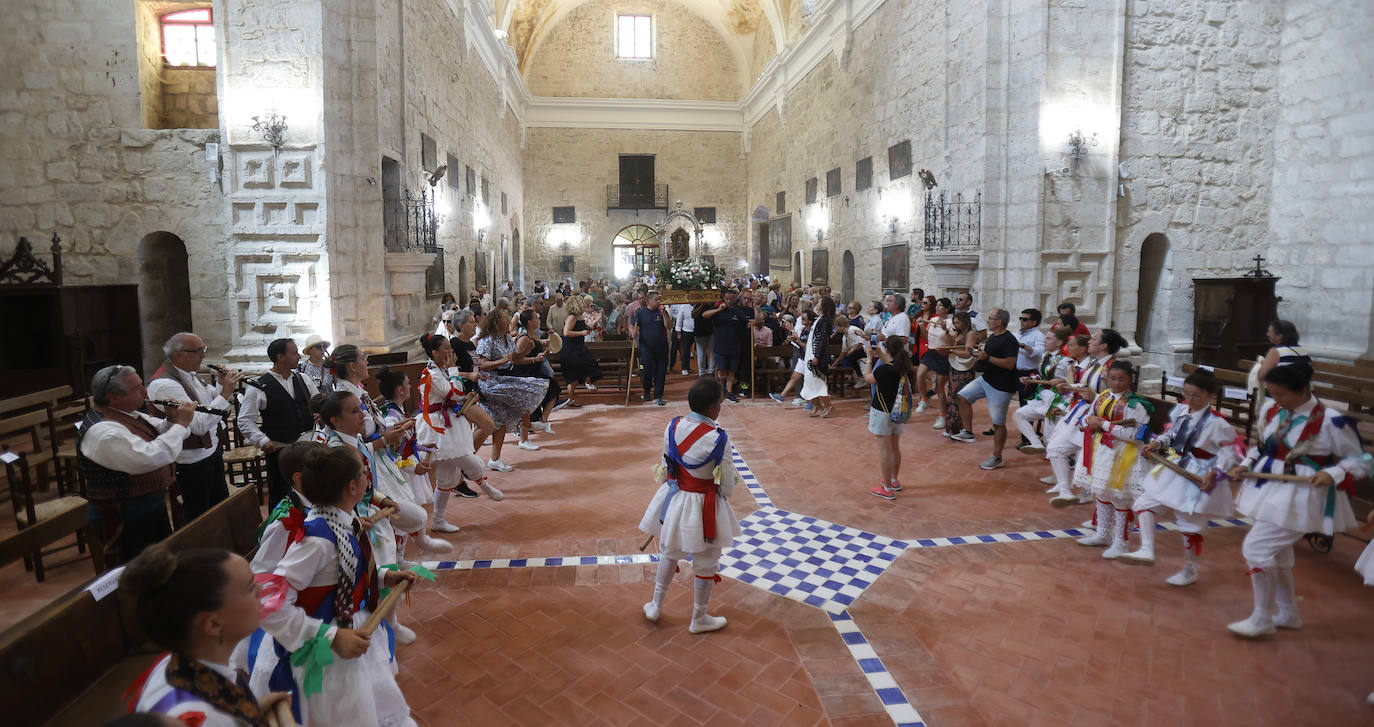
(1200, 441)
(1298, 436)
(129, 459)
(200, 466)
(690, 513)
(1111, 465)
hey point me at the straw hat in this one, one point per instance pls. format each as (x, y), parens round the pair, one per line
(314, 341)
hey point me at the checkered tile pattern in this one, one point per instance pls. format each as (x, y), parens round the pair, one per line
(1052, 534)
(438, 565)
(807, 559)
(898, 707)
(750, 481)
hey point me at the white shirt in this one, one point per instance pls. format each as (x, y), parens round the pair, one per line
(1036, 340)
(112, 446)
(157, 687)
(682, 318)
(979, 323)
(898, 325)
(201, 423)
(250, 410)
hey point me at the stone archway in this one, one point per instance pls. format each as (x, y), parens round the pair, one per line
(1154, 252)
(164, 293)
(847, 277)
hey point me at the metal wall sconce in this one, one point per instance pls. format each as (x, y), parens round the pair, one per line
(273, 129)
(1079, 145)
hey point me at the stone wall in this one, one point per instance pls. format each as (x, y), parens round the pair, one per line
(764, 50)
(691, 60)
(188, 100)
(1319, 240)
(85, 167)
(573, 166)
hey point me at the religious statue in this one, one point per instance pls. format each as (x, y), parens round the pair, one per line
(679, 245)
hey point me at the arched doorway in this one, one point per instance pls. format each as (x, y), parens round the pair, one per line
(164, 293)
(847, 277)
(462, 280)
(1153, 253)
(634, 251)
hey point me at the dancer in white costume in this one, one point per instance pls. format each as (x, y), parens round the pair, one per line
(1299, 436)
(1054, 366)
(690, 512)
(323, 589)
(1201, 441)
(1090, 379)
(1111, 465)
(443, 426)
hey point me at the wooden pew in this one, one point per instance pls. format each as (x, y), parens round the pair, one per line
(67, 657)
(1237, 409)
(769, 363)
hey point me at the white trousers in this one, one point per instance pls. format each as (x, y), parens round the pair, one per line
(449, 473)
(1065, 441)
(1187, 522)
(705, 563)
(1026, 417)
(1269, 546)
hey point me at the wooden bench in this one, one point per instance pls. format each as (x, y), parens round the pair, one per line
(68, 663)
(1237, 408)
(612, 356)
(769, 363)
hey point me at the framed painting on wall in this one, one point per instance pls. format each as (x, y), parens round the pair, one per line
(895, 264)
(820, 267)
(780, 242)
(565, 264)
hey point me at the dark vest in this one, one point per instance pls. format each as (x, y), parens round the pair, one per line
(284, 418)
(192, 441)
(106, 484)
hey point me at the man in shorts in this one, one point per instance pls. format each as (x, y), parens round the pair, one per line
(730, 345)
(997, 384)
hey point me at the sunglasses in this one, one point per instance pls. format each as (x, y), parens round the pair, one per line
(1024, 318)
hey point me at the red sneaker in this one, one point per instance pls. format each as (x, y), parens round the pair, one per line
(884, 492)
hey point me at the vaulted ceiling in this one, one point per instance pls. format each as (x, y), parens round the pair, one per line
(528, 22)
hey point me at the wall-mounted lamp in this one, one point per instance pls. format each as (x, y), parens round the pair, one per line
(893, 207)
(273, 129)
(1079, 145)
(818, 219)
(564, 235)
(711, 237)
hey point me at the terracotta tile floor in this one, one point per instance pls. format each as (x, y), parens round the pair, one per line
(1021, 633)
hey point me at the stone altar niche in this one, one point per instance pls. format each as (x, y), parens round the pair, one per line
(679, 246)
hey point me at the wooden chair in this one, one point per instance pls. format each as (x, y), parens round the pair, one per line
(39, 523)
(245, 465)
(64, 414)
(770, 362)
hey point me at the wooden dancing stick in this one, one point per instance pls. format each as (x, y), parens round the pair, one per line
(630, 372)
(1038, 382)
(384, 609)
(647, 540)
(281, 716)
(377, 517)
(1277, 476)
(1175, 467)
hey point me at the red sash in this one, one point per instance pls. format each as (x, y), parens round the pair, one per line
(688, 483)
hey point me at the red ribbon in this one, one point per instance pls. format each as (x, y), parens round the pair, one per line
(135, 690)
(1193, 542)
(272, 590)
(715, 578)
(294, 524)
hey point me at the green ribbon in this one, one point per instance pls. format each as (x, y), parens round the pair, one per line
(314, 655)
(283, 509)
(417, 569)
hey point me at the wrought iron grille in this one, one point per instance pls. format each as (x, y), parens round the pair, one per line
(953, 224)
(409, 223)
(637, 196)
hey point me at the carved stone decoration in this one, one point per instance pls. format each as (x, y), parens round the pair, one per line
(660, 230)
(24, 269)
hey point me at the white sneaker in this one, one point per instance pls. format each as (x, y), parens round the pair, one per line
(440, 525)
(434, 545)
(798, 401)
(527, 445)
(1049, 480)
(1288, 620)
(589, 386)
(498, 465)
(546, 427)
(921, 407)
(1252, 629)
(1061, 501)
(1139, 557)
(1114, 551)
(1096, 540)
(705, 622)
(1185, 577)
(651, 611)
(404, 635)
(685, 372)
(492, 492)
(939, 422)
(964, 435)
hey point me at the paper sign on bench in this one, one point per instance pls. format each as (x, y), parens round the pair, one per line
(105, 584)
(1231, 392)
(9, 457)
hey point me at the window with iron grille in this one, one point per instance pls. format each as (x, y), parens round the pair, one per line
(564, 215)
(863, 174)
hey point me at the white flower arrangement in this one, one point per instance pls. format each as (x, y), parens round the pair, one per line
(690, 274)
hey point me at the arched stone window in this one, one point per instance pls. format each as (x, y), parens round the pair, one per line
(188, 38)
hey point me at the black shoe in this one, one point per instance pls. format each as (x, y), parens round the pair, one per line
(660, 402)
(648, 398)
(990, 432)
(732, 397)
(462, 490)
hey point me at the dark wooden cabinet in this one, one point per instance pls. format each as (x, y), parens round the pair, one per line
(1230, 318)
(63, 335)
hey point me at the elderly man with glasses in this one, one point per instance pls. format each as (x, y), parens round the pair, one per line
(200, 466)
(128, 460)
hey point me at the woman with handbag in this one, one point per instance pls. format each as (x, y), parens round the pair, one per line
(888, 369)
